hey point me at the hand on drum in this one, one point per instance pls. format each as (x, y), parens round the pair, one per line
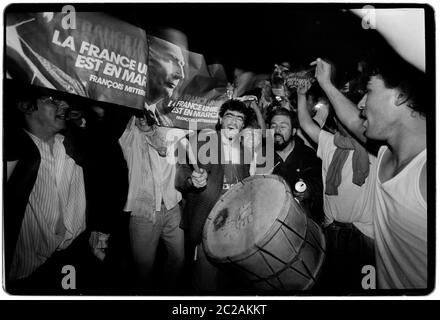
(199, 178)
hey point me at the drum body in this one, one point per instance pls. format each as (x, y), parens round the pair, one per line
(261, 230)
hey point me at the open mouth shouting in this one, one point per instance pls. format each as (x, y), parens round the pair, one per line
(278, 138)
(365, 124)
(231, 131)
(61, 116)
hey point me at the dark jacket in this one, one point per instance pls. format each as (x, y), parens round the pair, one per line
(302, 163)
(199, 202)
(20, 147)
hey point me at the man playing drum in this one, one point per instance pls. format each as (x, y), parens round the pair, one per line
(203, 187)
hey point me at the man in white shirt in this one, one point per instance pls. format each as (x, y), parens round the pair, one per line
(152, 198)
(395, 112)
(45, 201)
(154, 204)
(348, 228)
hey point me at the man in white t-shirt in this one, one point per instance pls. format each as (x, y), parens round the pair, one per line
(348, 229)
(396, 191)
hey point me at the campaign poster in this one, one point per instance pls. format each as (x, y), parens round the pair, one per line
(89, 54)
(191, 94)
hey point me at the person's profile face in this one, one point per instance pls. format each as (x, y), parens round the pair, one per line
(50, 113)
(380, 108)
(166, 69)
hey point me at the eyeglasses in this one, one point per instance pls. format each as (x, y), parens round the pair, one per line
(60, 104)
(233, 117)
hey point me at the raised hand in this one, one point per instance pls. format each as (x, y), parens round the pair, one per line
(303, 89)
(246, 98)
(323, 71)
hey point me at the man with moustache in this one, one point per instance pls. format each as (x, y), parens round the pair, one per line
(296, 163)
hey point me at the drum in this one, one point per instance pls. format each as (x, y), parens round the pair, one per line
(261, 230)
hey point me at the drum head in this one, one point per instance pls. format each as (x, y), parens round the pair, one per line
(244, 216)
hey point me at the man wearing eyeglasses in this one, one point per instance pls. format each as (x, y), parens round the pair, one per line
(45, 200)
(203, 187)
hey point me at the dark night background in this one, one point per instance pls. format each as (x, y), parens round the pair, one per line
(255, 36)
(252, 36)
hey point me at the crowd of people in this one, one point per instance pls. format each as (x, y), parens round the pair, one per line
(100, 196)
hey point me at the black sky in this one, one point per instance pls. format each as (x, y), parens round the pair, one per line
(255, 36)
(252, 36)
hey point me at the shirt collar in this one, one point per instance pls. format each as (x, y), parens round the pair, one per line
(59, 138)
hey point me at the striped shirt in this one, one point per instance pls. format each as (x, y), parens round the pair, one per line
(55, 213)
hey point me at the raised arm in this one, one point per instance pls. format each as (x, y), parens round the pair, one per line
(255, 107)
(259, 115)
(305, 120)
(346, 111)
(404, 30)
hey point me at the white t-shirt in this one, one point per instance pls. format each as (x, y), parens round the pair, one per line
(348, 205)
(400, 226)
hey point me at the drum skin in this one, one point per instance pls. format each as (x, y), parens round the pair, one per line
(258, 228)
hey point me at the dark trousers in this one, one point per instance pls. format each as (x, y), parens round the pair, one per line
(81, 278)
(117, 271)
(112, 276)
(347, 251)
